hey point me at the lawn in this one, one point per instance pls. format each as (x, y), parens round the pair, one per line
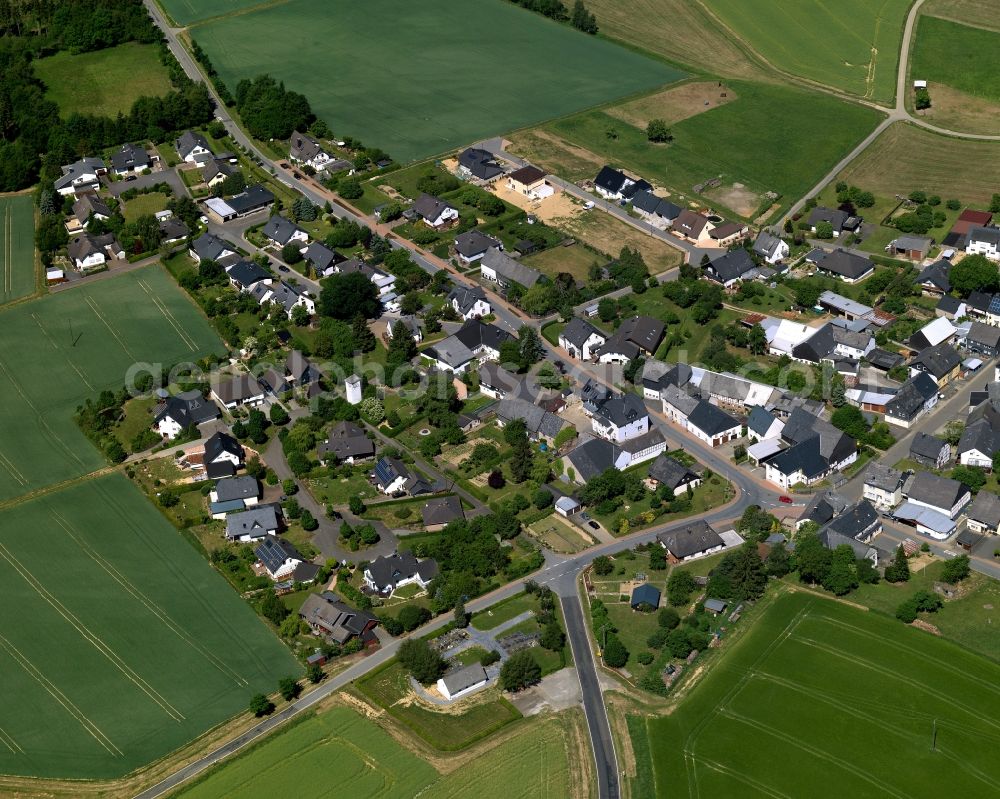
(959, 56)
(103, 82)
(144, 204)
(17, 247)
(154, 648)
(504, 611)
(58, 351)
(737, 142)
(814, 684)
(853, 45)
(458, 95)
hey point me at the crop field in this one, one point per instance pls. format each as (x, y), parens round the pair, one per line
(843, 703)
(851, 45)
(965, 169)
(738, 141)
(981, 13)
(58, 351)
(403, 85)
(118, 644)
(17, 247)
(184, 12)
(103, 82)
(956, 55)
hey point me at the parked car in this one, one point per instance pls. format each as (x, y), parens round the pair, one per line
(588, 205)
(130, 178)
(786, 500)
(282, 268)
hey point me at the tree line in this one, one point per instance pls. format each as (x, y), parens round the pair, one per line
(580, 18)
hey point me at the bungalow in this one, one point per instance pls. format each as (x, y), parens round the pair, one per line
(345, 443)
(693, 227)
(984, 339)
(208, 247)
(216, 171)
(252, 525)
(935, 332)
(713, 425)
(184, 410)
(322, 258)
(983, 515)
(771, 248)
(941, 362)
(88, 207)
(914, 398)
(940, 494)
(86, 253)
(253, 199)
(983, 241)
(580, 339)
(839, 220)
(193, 148)
(80, 176)
(435, 213)
(385, 574)
(669, 472)
(392, 477)
(541, 424)
(479, 164)
(694, 540)
(441, 511)
(244, 488)
(173, 230)
(469, 302)
(621, 418)
(725, 234)
(245, 275)
(241, 389)
(913, 247)
(934, 279)
(730, 268)
(530, 181)
(635, 336)
(332, 619)
(130, 159)
(655, 210)
(473, 244)
(643, 596)
(503, 270)
(462, 681)
(847, 266)
(280, 559)
(303, 149)
(280, 231)
(883, 486)
(930, 451)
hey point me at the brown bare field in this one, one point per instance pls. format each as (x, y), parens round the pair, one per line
(906, 158)
(608, 234)
(978, 13)
(741, 199)
(956, 110)
(674, 105)
(678, 30)
(557, 155)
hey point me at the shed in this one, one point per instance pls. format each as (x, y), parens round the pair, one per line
(715, 606)
(567, 506)
(645, 594)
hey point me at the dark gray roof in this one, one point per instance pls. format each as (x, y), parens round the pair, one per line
(883, 477)
(696, 536)
(347, 440)
(474, 242)
(253, 199)
(578, 330)
(130, 156)
(711, 419)
(936, 274)
(846, 264)
(987, 235)
(300, 368)
(70, 172)
(279, 229)
(475, 333)
(464, 678)
(979, 300)
(856, 522)
(304, 148)
(273, 551)
(537, 420)
(670, 472)
(766, 244)
(187, 408)
(645, 594)
(220, 443)
(941, 492)
(835, 445)
(508, 268)
(759, 420)
(645, 200)
(949, 304)
(339, 621)
(985, 508)
(883, 359)
(321, 256)
(429, 207)
(187, 142)
(90, 204)
(255, 522)
(622, 410)
(982, 432)
(467, 296)
(633, 334)
(210, 248)
(592, 458)
(985, 335)
(246, 273)
(911, 397)
(610, 179)
(938, 360)
(804, 457)
(927, 446)
(237, 389)
(823, 507)
(731, 266)
(834, 216)
(173, 229)
(480, 163)
(442, 510)
(387, 571)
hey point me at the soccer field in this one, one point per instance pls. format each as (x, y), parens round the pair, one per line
(60, 350)
(391, 73)
(17, 247)
(823, 700)
(117, 643)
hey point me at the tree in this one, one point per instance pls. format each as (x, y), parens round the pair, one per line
(420, 660)
(974, 273)
(461, 618)
(657, 557)
(279, 416)
(289, 688)
(308, 521)
(552, 636)
(812, 557)
(668, 618)
(922, 99)
(757, 340)
(603, 565)
(678, 643)
(898, 571)
(364, 339)
(270, 111)
(778, 562)
(614, 653)
(850, 419)
(496, 480)
(679, 588)
(658, 131)
(838, 391)
(520, 671)
(740, 575)
(824, 230)
(920, 602)
(412, 616)
(520, 458)
(956, 569)
(315, 673)
(542, 499)
(346, 296)
(581, 19)
(357, 505)
(260, 705)
(972, 476)
(842, 577)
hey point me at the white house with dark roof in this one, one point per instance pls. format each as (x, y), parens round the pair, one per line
(183, 410)
(303, 149)
(612, 184)
(883, 486)
(839, 220)
(130, 158)
(277, 557)
(80, 176)
(621, 418)
(244, 275)
(462, 681)
(983, 241)
(847, 266)
(580, 338)
(253, 524)
(385, 574)
(473, 244)
(773, 249)
(983, 515)
(713, 425)
(637, 335)
(941, 494)
(469, 302)
(435, 213)
(694, 540)
(730, 268)
(669, 472)
(242, 389)
(655, 210)
(280, 231)
(208, 247)
(193, 148)
(478, 164)
(500, 268)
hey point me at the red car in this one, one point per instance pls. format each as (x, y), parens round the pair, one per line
(786, 500)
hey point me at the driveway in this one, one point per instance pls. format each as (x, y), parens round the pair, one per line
(168, 176)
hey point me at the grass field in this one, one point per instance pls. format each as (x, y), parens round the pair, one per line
(738, 141)
(118, 643)
(964, 169)
(957, 55)
(184, 12)
(17, 247)
(980, 13)
(843, 703)
(403, 85)
(852, 45)
(103, 82)
(62, 349)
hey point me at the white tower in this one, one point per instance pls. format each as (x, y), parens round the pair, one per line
(354, 389)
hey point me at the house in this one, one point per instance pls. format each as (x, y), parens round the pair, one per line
(613, 184)
(184, 410)
(822, 509)
(934, 279)
(839, 220)
(469, 302)
(677, 404)
(762, 425)
(345, 443)
(441, 511)
(669, 472)
(241, 389)
(694, 540)
(303, 149)
(930, 451)
(725, 234)
(392, 477)
(984, 241)
(473, 340)
(655, 210)
(542, 425)
(933, 333)
(216, 171)
(530, 181)
(914, 398)
(693, 227)
(595, 456)
(85, 252)
(980, 440)
(478, 164)
(322, 258)
(950, 308)
(253, 524)
(208, 247)
(245, 275)
(621, 418)
(645, 594)
(883, 360)
(913, 247)
(129, 159)
(592, 395)
(244, 488)
(847, 266)
(657, 375)
(80, 176)
(580, 338)
(473, 244)
(223, 455)
(634, 336)
(330, 618)
(978, 304)
(286, 295)
(280, 231)
(193, 148)
(173, 230)
(730, 268)
(250, 201)
(503, 270)
(88, 207)
(567, 506)
(274, 381)
(940, 494)
(279, 558)
(927, 521)
(435, 213)
(410, 324)
(713, 425)
(984, 339)
(495, 381)
(385, 574)
(771, 248)
(883, 486)
(462, 681)
(941, 362)
(983, 515)
(859, 522)
(816, 449)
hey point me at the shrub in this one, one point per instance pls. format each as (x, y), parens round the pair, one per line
(645, 658)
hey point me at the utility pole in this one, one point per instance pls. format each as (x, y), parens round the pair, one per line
(934, 736)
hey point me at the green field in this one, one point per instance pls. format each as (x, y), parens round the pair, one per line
(343, 749)
(103, 82)
(144, 204)
(184, 12)
(17, 247)
(851, 45)
(739, 141)
(118, 643)
(402, 83)
(824, 700)
(959, 56)
(62, 349)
